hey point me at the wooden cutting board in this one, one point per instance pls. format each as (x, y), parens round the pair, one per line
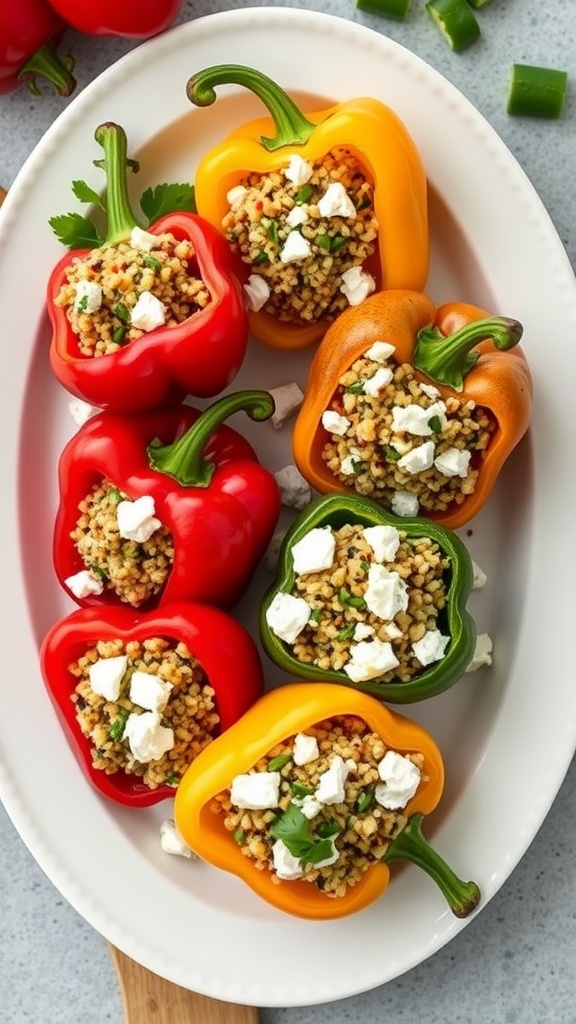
(149, 999)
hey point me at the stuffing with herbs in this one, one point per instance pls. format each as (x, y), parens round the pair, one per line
(146, 707)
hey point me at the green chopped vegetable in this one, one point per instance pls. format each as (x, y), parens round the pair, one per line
(536, 92)
(456, 21)
(385, 8)
(277, 763)
(293, 828)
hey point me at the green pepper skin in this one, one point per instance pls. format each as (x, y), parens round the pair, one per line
(336, 510)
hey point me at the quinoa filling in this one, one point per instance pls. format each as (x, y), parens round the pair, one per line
(394, 439)
(134, 567)
(117, 293)
(155, 711)
(322, 806)
(299, 243)
(376, 609)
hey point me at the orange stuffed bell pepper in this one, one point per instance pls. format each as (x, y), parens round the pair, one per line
(320, 209)
(414, 406)
(309, 796)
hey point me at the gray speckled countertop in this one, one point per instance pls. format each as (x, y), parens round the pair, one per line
(515, 962)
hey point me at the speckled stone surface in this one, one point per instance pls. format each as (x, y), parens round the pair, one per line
(516, 961)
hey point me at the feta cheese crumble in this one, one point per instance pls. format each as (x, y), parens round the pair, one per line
(404, 503)
(336, 202)
(257, 292)
(357, 285)
(148, 739)
(431, 647)
(482, 653)
(453, 462)
(386, 593)
(400, 780)
(414, 419)
(314, 551)
(418, 459)
(84, 584)
(380, 351)
(369, 659)
(334, 423)
(148, 313)
(256, 791)
(287, 615)
(384, 541)
(299, 171)
(106, 676)
(172, 842)
(375, 384)
(87, 296)
(145, 241)
(305, 748)
(295, 248)
(148, 691)
(287, 400)
(136, 519)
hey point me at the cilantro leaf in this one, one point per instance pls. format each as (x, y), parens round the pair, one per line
(163, 199)
(293, 828)
(75, 231)
(85, 194)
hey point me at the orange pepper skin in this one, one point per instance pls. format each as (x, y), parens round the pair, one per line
(278, 715)
(499, 381)
(378, 139)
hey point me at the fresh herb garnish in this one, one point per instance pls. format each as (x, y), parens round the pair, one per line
(435, 424)
(152, 262)
(277, 763)
(117, 727)
(347, 632)
(293, 828)
(304, 194)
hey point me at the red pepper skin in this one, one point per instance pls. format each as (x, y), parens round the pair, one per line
(135, 19)
(200, 356)
(28, 28)
(224, 649)
(220, 532)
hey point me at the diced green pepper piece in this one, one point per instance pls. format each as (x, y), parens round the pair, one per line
(536, 92)
(385, 8)
(456, 21)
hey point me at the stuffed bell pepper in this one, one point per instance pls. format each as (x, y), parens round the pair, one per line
(310, 795)
(319, 209)
(139, 695)
(164, 506)
(370, 600)
(148, 313)
(414, 406)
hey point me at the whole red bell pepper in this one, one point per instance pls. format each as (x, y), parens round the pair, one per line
(198, 356)
(136, 19)
(29, 33)
(223, 648)
(218, 503)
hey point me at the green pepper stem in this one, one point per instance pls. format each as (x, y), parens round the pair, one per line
(410, 844)
(112, 138)
(292, 127)
(447, 359)
(184, 458)
(46, 63)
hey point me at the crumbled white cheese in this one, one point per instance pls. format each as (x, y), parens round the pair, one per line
(482, 653)
(393, 632)
(149, 691)
(295, 248)
(431, 647)
(418, 459)
(84, 584)
(87, 296)
(357, 285)
(136, 519)
(305, 748)
(235, 195)
(309, 805)
(286, 865)
(453, 462)
(81, 411)
(381, 379)
(350, 464)
(429, 390)
(330, 788)
(384, 541)
(386, 593)
(400, 780)
(299, 171)
(404, 503)
(296, 217)
(415, 419)
(362, 631)
(287, 400)
(336, 202)
(257, 292)
(106, 675)
(145, 241)
(172, 842)
(256, 791)
(369, 659)
(287, 615)
(332, 857)
(148, 739)
(148, 313)
(479, 577)
(314, 551)
(380, 351)
(334, 423)
(295, 491)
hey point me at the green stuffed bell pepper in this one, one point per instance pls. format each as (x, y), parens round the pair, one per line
(370, 600)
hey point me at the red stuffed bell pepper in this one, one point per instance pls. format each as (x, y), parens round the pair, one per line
(166, 506)
(147, 314)
(139, 695)
(135, 19)
(29, 33)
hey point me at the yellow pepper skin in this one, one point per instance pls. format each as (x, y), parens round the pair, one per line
(281, 714)
(370, 130)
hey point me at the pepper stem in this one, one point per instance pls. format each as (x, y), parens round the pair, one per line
(292, 127)
(410, 844)
(112, 138)
(184, 460)
(447, 359)
(46, 63)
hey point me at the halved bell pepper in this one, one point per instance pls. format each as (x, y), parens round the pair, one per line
(280, 715)
(364, 127)
(214, 504)
(224, 649)
(458, 348)
(453, 620)
(198, 356)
